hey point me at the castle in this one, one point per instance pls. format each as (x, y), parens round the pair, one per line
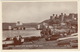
(60, 21)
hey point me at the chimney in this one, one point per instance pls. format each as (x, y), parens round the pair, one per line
(51, 17)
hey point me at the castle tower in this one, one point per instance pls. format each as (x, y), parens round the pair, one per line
(62, 16)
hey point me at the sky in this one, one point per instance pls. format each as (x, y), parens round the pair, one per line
(28, 12)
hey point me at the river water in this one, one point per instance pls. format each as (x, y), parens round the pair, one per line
(23, 33)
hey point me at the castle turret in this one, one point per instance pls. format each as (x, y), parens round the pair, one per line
(62, 20)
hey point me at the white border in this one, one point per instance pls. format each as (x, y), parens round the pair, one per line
(38, 50)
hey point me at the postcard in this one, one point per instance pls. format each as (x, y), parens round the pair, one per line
(40, 25)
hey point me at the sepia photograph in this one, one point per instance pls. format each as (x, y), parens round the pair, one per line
(39, 25)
